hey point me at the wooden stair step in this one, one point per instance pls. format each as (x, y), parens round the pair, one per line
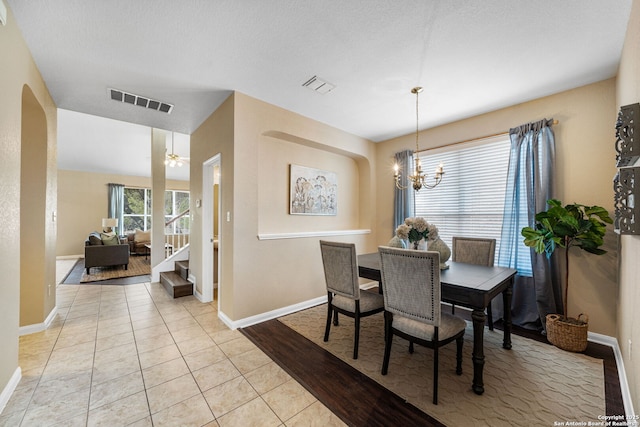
(175, 284)
(182, 268)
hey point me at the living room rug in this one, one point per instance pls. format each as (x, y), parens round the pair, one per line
(139, 271)
(532, 384)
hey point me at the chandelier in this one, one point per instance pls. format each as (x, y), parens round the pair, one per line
(171, 159)
(418, 179)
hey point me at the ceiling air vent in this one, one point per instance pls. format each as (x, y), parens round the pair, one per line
(316, 84)
(141, 101)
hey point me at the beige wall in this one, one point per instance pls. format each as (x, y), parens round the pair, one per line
(16, 72)
(213, 137)
(267, 140)
(263, 275)
(82, 203)
(628, 92)
(585, 165)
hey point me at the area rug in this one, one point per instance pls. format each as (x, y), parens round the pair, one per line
(532, 384)
(139, 270)
(138, 266)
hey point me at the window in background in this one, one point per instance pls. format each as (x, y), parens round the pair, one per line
(137, 209)
(470, 200)
(176, 203)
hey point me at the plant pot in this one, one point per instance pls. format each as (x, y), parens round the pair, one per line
(568, 333)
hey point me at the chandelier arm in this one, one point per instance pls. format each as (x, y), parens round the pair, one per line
(418, 179)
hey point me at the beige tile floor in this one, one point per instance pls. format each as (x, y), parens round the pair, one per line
(132, 356)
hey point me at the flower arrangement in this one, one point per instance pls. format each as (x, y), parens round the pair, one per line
(416, 229)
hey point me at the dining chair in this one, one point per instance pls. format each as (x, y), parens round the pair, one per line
(473, 250)
(411, 281)
(343, 288)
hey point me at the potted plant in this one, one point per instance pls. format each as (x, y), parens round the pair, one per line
(567, 226)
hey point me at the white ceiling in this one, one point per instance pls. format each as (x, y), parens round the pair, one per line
(470, 56)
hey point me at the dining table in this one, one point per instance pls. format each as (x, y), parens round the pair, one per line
(467, 285)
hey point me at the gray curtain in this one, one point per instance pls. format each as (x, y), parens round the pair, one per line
(403, 199)
(116, 205)
(537, 287)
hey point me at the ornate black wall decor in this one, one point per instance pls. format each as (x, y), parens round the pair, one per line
(627, 139)
(627, 212)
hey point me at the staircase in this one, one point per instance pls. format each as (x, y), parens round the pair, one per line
(175, 282)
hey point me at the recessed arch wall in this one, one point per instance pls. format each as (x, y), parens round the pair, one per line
(35, 275)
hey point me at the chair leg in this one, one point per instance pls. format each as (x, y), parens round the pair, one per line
(335, 318)
(328, 326)
(435, 375)
(410, 347)
(490, 317)
(356, 338)
(329, 314)
(453, 309)
(459, 343)
(388, 319)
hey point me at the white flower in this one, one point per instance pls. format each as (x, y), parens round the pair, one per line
(415, 229)
(403, 231)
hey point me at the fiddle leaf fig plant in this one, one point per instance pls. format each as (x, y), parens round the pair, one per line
(567, 226)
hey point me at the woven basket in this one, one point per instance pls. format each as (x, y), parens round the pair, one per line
(570, 336)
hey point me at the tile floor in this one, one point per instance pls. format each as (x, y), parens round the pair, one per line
(132, 356)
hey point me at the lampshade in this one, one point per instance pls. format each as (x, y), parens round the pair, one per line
(109, 222)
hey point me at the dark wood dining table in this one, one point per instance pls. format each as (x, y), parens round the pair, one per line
(468, 285)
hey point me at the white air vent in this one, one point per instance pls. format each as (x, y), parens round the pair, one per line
(316, 84)
(141, 101)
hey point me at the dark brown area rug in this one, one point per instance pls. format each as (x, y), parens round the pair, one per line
(139, 271)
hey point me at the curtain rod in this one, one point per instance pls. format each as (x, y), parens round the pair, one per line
(554, 122)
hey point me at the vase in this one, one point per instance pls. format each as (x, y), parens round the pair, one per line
(419, 245)
(441, 247)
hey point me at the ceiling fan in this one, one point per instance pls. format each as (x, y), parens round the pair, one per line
(172, 160)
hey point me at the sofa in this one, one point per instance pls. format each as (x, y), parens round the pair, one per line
(137, 240)
(104, 250)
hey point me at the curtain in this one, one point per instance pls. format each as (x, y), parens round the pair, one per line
(116, 205)
(537, 287)
(403, 199)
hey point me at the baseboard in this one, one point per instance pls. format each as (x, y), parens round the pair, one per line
(269, 315)
(622, 375)
(10, 388)
(69, 257)
(38, 327)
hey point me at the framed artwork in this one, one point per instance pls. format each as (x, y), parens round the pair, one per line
(312, 191)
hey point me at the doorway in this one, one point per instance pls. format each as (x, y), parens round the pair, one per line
(211, 229)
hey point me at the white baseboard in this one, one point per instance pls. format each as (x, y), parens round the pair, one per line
(61, 257)
(38, 327)
(274, 314)
(622, 375)
(10, 388)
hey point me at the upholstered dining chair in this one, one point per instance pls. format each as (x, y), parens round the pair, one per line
(411, 281)
(477, 251)
(343, 288)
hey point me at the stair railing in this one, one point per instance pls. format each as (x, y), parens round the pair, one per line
(176, 232)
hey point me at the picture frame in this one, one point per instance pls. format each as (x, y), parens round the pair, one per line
(312, 191)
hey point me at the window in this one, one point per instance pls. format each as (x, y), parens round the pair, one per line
(470, 199)
(137, 210)
(176, 203)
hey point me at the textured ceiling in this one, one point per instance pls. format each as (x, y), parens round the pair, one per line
(470, 56)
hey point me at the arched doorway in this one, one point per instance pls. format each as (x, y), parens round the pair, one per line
(37, 229)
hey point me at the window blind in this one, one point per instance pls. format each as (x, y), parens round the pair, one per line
(469, 201)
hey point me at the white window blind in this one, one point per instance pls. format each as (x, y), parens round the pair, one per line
(469, 201)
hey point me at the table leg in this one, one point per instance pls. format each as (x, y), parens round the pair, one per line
(506, 300)
(478, 317)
